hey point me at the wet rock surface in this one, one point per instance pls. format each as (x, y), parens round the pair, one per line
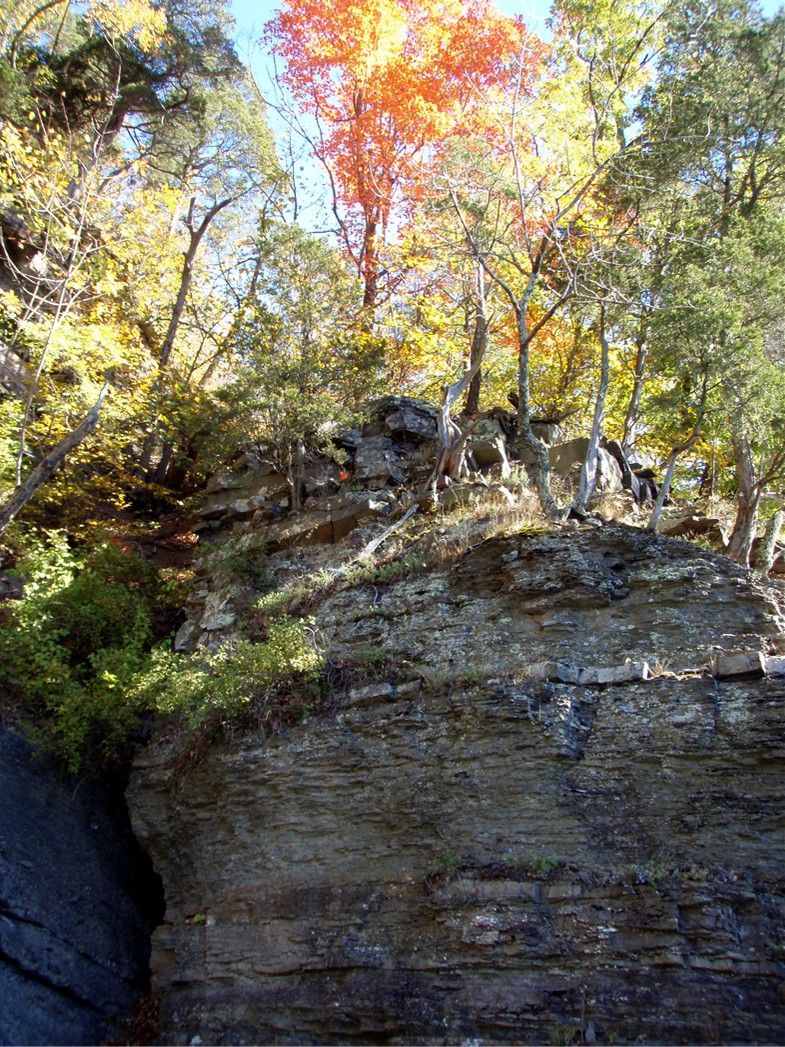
(78, 900)
(474, 849)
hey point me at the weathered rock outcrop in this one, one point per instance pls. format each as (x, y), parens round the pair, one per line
(78, 900)
(471, 849)
(397, 448)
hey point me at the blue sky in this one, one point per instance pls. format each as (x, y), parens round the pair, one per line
(252, 14)
(250, 17)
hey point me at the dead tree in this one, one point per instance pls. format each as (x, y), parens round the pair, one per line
(46, 467)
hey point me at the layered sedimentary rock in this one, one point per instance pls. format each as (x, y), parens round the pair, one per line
(476, 846)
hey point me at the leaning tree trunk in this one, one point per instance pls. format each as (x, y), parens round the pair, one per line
(196, 234)
(634, 406)
(674, 456)
(745, 526)
(451, 461)
(41, 473)
(768, 548)
(589, 470)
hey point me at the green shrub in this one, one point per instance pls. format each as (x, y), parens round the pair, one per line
(74, 642)
(236, 676)
(75, 653)
(543, 864)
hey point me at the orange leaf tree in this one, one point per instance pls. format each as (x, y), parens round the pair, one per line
(384, 84)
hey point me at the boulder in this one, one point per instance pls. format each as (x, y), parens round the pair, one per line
(467, 493)
(614, 674)
(695, 524)
(547, 431)
(227, 482)
(324, 525)
(407, 418)
(739, 666)
(567, 460)
(376, 462)
(186, 636)
(487, 446)
(348, 440)
(322, 477)
(14, 372)
(608, 474)
(629, 480)
(220, 612)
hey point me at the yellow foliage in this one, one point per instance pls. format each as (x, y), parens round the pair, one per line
(135, 19)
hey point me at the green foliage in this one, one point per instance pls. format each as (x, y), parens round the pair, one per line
(71, 646)
(373, 573)
(564, 1035)
(643, 875)
(306, 363)
(238, 677)
(448, 861)
(75, 652)
(240, 559)
(543, 864)
(371, 661)
(468, 677)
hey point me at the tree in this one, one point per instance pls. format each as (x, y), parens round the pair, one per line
(73, 190)
(302, 373)
(527, 224)
(44, 469)
(213, 165)
(382, 86)
(716, 140)
(116, 66)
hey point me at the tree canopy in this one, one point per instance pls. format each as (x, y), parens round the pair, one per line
(593, 223)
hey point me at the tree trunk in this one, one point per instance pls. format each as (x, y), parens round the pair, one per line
(479, 345)
(451, 461)
(525, 431)
(665, 487)
(186, 277)
(589, 469)
(677, 451)
(370, 267)
(745, 529)
(41, 473)
(633, 409)
(768, 548)
(745, 526)
(162, 471)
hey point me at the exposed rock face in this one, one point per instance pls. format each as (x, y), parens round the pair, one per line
(471, 849)
(78, 900)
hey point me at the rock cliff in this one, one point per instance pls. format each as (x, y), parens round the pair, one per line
(546, 807)
(78, 900)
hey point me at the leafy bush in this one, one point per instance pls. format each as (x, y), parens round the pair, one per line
(72, 645)
(75, 653)
(240, 559)
(235, 677)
